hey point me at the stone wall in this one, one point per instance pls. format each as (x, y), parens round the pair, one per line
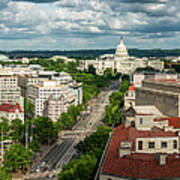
(165, 86)
(168, 103)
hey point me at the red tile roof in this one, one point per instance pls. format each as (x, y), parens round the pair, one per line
(167, 80)
(138, 165)
(10, 108)
(143, 114)
(172, 121)
(174, 81)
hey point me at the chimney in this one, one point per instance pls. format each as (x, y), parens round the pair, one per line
(125, 148)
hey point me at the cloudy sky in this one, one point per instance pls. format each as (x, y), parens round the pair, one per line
(88, 24)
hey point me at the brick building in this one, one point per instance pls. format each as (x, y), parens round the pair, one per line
(146, 149)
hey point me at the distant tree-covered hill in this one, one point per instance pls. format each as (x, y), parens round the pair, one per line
(91, 54)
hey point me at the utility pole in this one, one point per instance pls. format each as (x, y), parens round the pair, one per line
(2, 144)
(31, 137)
(26, 134)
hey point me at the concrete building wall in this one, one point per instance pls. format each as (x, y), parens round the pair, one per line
(139, 77)
(144, 122)
(12, 116)
(166, 102)
(165, 86)
(158, 147)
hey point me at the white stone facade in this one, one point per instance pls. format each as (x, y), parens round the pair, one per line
(39, 93)
(10, 91)
(121, 62)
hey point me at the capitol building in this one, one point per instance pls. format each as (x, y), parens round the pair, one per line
(120, 62)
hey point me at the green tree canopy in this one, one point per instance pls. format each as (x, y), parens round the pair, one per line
(34, 146)
(91, 69)
(109, 73)
(84, 168)
(65, 121)
(80, 169)
(17, 157)
(73, 111)
(117, 98)
(113, 115)
(95, 143)
(45, 130)
(28, 109)
(17, 130)
(4, 123)
(124, 86)
(4, 175)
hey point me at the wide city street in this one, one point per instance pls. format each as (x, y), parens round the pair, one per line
(63, 151)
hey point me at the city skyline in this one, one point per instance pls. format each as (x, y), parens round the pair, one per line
(88, 24)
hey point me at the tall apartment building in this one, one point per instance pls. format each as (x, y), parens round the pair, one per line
(25, 80)
(39, 93)
(10, 91)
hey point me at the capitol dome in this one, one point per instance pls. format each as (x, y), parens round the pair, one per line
(121, 51)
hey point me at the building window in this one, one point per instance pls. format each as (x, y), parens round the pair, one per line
(163, 144)
(140, 145)
(141, 120)
(175, 144)
(151, 145)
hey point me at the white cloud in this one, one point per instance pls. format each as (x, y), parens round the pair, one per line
(87, 21)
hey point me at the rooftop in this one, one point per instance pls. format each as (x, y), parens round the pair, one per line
(148, 110)
(172, 121)
(164, 81)
(10, 108)
(138, 165)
